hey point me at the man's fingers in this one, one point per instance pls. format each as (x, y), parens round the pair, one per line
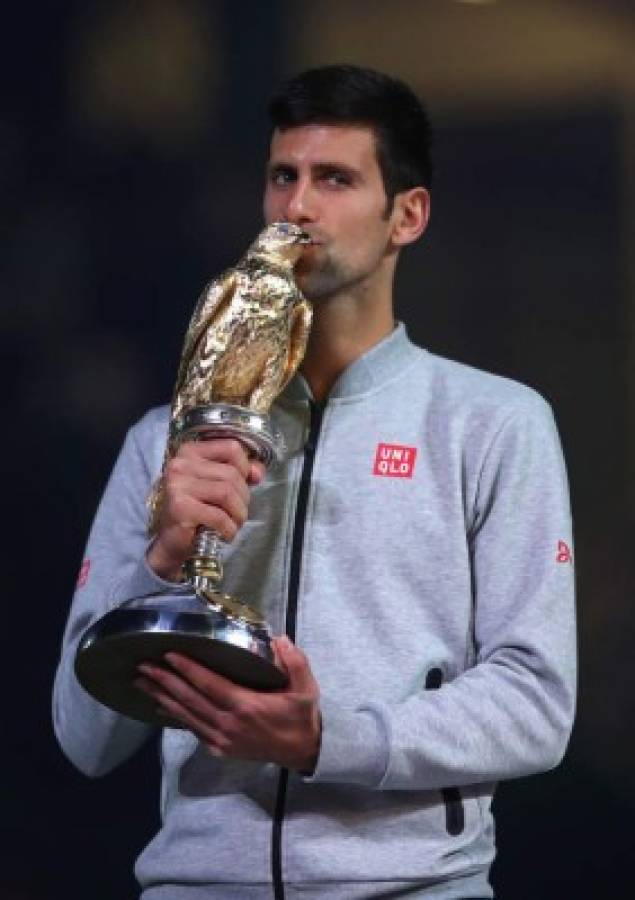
(220, 486)
(222, 450)
(179, 471)
(222, 692)
(188, 513)
(257, 472)
(295, 664)
(218, 494)
(205, 483)
(162, 684)
(214, 739)
(179, 699)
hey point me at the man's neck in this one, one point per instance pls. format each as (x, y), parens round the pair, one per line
(340, 334)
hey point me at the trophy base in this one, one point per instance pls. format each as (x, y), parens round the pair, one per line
(145, 630)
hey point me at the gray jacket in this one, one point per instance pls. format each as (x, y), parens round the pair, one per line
(428, 566)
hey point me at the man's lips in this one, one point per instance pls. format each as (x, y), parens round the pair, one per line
(311, 238)
(310, 250)
(309, 256)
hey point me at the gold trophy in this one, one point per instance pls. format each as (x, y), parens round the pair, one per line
(245, 340)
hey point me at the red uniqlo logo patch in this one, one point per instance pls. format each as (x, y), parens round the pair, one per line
(394, 461)
(82, 577)
(563, 554)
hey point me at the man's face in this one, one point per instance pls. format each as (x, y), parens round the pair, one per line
(326, 179)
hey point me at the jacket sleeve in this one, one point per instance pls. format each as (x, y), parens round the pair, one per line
(510, 714)
(95, 738)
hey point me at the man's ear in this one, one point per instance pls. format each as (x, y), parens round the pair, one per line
(410, 215)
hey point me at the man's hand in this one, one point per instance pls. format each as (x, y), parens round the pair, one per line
(282, 727)
(205, 483)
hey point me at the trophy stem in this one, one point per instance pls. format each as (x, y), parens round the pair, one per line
(262, 441)
(204, 572)
(207, 542)
(204, 568)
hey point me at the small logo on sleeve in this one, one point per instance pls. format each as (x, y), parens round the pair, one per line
(563, 554)
(394, 461)
(84, 571)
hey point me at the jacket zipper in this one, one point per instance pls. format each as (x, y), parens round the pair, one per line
(295, 568)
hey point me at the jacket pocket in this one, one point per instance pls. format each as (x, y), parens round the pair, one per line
(452, 800)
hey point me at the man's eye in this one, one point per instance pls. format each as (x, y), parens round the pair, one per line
(281, 177)
(337, 179)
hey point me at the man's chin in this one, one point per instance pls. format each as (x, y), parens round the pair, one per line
(305, 278)
(314, 289)
(315, 283)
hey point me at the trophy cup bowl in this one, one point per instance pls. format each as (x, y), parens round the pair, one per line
(245, 340)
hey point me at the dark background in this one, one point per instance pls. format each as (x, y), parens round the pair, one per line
(132, 142)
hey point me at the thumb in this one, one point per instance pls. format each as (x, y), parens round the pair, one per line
(295, 664)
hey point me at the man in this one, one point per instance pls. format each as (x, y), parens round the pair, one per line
(411, 549)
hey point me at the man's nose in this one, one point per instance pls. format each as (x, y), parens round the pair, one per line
(300, 205)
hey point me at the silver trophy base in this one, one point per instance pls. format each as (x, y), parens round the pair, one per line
(145, 630)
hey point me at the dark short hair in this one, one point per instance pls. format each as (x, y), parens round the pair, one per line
(350, 95)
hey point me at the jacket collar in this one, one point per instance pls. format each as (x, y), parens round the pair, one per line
(387, 360)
